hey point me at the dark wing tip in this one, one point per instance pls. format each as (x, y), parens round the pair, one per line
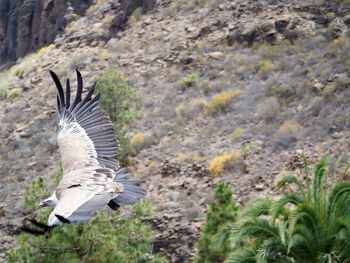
(38, 224)
(79, 91)
(113, 205)
(44, 228)
(59, 89)
(33, 231)
(67, 94)
(53, 74)
(63, 219)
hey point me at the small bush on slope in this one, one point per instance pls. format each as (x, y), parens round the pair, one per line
(122, 103)
(311, 226)
(108, 238)
(220, 101)
(189, 80)
(217, 165)
(220, 212)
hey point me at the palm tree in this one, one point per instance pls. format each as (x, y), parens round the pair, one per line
(311, 226)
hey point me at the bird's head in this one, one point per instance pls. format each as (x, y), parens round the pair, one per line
(51, 201)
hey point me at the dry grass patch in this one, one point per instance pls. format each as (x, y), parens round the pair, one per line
(141, 141)
(237, 133)
(14, 93)
(191, 109)
(290, 125)
(217, 164)
(220, 101)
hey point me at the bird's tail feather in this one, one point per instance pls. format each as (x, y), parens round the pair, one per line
(132, 191)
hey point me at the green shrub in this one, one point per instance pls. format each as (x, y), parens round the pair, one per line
(268, 109)
(123, 103)
(220, 212)
(19, 73)
(143, 208)
(237, 133)
(37, 191)
(248, 147)
(44, 64)
(309, 226)
(141, 141)
(14, 93)
(34, 193)
(220, 101)
(3, 87)
(265, 66)
(189, 80)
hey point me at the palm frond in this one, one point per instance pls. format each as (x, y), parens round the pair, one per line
(342, 234)
(345, 171)
(303, 244)
(335, 170)
(290, 178)
(257, 207)
(257, 228)
(319, 186)
(306, 168)
(226, 234)
(272, 251)
(283, 231)
(306, 216)
(338, 200)
(277, 207)
(242, 256)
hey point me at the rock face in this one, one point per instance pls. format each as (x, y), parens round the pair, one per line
(275, 28)
(28, 25)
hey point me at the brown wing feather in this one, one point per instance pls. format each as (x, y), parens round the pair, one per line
(85, 132)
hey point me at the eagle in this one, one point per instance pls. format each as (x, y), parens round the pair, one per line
(88, 145)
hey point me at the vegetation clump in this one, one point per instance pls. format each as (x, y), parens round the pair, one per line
(223, 210)
(123, 103)
(190, 110)
(44, 50)
(217, 165)
(305, 226)
(140, 141)
(34, 193)
(189, 80)
(3, 88)
(44, 64)
(220, 101)
(19, 73)
(14, 93)
(249, 147)
(237, 133)
(290, 125)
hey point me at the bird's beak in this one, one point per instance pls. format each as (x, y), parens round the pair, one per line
(42, 204)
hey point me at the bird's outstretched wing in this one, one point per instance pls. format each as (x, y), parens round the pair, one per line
(87, 142)
(85, 132)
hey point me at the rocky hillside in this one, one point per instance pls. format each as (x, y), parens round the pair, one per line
(26, 26)
(232, 90)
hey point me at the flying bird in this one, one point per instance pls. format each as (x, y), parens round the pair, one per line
(91, 178)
